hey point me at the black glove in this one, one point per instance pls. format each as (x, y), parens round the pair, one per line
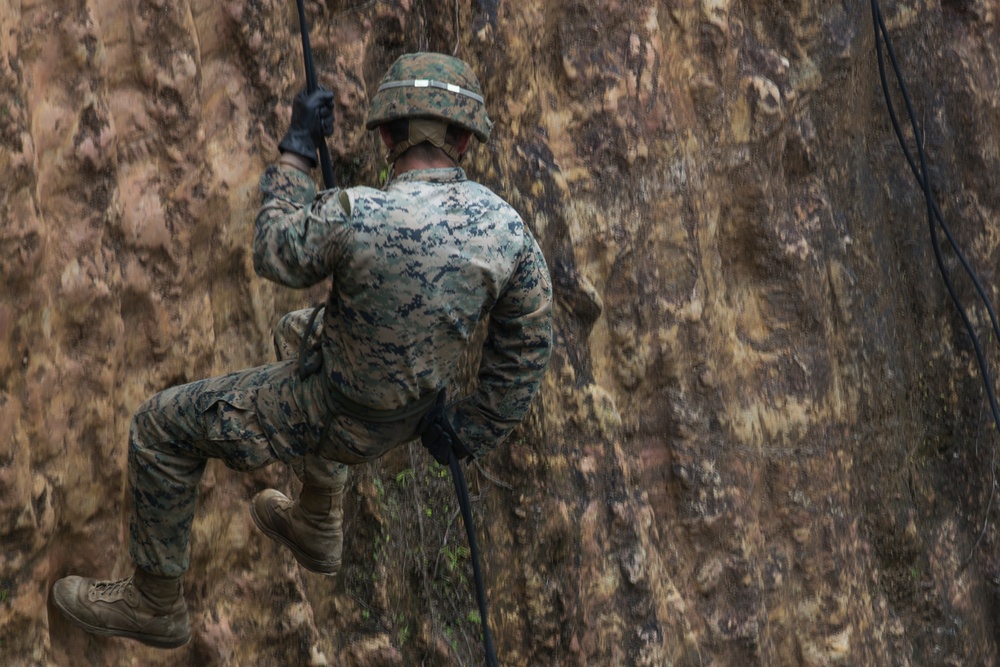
(438, 436)
(312, 120)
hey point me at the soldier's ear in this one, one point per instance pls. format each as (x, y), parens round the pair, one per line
(383, 131)
(463, 143)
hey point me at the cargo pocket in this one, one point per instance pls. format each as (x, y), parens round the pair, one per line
(234, 429)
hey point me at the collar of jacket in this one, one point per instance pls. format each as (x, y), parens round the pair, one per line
(439, 175)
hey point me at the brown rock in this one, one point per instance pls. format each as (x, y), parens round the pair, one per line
(763, 439)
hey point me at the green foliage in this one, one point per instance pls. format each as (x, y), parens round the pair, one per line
(417, 553)
(454, 556)
(403, 477)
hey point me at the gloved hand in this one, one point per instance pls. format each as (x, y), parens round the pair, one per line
(312, 120)
(438, 435)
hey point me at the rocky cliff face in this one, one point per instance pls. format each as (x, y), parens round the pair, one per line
(763, 439)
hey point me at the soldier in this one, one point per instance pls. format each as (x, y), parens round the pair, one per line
(414, 267)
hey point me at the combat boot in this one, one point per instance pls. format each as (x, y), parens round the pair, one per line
(144, 607)
(312, 526)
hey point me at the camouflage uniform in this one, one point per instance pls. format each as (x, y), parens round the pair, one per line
(414, 268)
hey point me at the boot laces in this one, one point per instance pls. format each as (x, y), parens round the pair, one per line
(112, 590)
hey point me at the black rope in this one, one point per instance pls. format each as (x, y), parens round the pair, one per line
(462, 490)
(880, 31)
(935, 218)
(311, 85)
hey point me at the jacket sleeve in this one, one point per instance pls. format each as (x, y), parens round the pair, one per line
(515, 355)
(295, 231)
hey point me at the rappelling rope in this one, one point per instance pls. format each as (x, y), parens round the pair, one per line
(935, 218)
(462, 491)
(326, 163)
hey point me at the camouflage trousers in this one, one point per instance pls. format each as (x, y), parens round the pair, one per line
(248, 419)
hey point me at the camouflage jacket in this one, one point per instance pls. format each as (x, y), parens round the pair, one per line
(414, 268)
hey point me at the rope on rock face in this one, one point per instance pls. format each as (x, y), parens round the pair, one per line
(438, 436)
(935, 218)
(462, 491)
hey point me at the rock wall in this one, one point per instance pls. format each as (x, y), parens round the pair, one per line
(763, 439)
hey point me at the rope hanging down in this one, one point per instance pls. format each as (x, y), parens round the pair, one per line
(311, 85)
(935, 218)
(438, 436)
(462, 490)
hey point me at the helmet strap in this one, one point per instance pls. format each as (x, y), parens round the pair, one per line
(434, 132)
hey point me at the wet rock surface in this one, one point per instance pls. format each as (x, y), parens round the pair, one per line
(763, 439)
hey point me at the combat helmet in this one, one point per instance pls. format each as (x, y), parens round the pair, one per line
(431, 86)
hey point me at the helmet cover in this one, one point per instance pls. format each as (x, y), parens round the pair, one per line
(432, 86)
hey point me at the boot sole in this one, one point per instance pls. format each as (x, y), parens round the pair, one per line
(148, 640)
(326, 568)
